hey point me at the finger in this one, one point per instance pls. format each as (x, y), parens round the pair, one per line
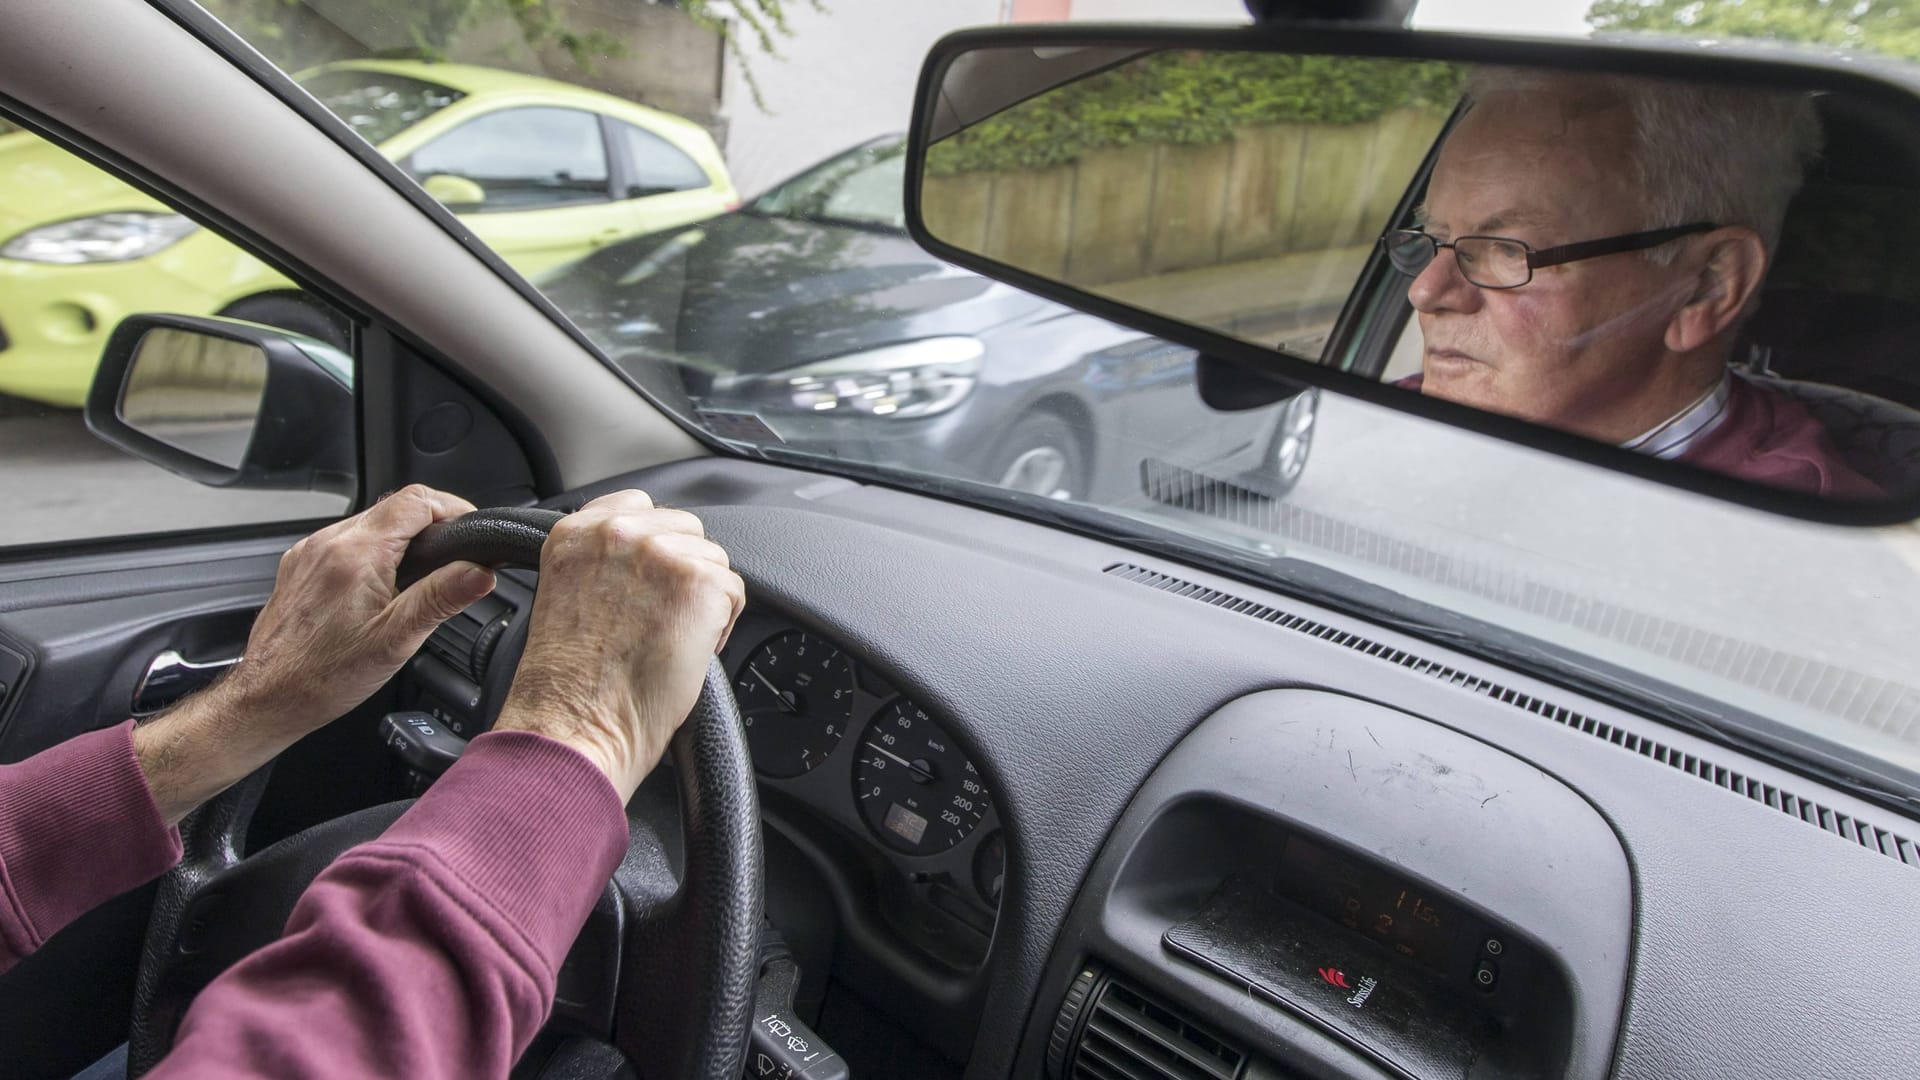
(671, 522)
(680, 546)
(613, 530)
(433, 600)
(694, 546)
(628, 499)
(401, 515)
(736, 590)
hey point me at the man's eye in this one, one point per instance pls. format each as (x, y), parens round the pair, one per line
(1467, 256)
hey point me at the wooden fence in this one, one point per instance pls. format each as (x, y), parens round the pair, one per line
(1125, 213)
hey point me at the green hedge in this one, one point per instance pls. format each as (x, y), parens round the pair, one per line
(1190, 97)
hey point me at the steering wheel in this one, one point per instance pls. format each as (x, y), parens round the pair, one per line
(664, 969)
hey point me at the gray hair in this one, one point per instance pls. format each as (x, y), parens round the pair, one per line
(1703, 151)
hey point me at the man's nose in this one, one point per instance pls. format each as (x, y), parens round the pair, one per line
(1441, 286)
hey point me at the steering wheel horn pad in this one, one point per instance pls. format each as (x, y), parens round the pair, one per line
(666, 965)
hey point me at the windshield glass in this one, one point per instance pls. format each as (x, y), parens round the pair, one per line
(860, 187)
(378, 105)
(806, 326)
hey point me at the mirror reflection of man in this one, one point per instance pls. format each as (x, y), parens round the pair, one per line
(1607, 237)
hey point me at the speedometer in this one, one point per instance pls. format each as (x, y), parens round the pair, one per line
(796, 700)
(917, 791)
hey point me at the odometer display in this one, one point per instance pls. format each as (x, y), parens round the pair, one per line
(796, 701)
(917, 791)
(1396, 913)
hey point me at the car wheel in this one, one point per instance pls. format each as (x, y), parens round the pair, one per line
(288, 311)
(1286, 457)
(1042, 457)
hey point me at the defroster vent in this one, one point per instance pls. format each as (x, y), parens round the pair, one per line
(1874, 838)
(1108, 1030)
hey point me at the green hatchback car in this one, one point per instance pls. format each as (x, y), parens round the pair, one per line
(542, 172)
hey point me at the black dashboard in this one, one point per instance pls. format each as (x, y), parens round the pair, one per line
(1221, 832)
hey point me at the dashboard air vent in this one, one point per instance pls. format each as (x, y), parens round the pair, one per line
(1129, 1036)
(466, 642)
(1892, 845)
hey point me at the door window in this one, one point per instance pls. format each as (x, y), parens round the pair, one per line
(522, 159)
(68, 275)
(658, 166)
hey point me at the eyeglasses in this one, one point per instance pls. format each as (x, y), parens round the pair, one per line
(1500, 262)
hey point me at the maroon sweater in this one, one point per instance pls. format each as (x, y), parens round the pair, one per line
(1765, 436)
(430, 952)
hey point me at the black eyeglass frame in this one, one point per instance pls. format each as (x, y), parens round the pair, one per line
(1553, 256)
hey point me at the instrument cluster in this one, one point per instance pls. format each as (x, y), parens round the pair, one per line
(828, 731)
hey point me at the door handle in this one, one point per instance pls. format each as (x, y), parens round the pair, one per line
(171, 677)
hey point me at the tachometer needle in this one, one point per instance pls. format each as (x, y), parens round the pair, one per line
(785, 699)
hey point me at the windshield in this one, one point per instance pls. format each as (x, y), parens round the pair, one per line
(860, 187)
(808, 327)
(378, 105)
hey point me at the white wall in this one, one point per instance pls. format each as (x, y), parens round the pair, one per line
(849, 75)
(1187, 11)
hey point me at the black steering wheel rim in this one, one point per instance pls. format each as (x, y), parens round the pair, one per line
(684, 945)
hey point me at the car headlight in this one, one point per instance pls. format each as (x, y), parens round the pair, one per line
(114, 237)
(912, 379)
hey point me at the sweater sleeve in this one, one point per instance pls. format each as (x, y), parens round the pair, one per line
(432, 951)
(78, 826)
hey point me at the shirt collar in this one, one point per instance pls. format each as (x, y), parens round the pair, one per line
(1678, 433)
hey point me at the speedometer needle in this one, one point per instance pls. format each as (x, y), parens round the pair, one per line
(920, 772)
(779, 695)
(891, 754)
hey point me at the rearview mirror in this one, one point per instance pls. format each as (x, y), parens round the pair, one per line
(227, 403)
(1688, 264)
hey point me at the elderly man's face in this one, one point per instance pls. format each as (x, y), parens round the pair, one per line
(1579, 346)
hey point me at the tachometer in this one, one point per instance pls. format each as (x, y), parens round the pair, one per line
(917, 791)
(796, 701)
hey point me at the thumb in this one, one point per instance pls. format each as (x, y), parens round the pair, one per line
(436, 598)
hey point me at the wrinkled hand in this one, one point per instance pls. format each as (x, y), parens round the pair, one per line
(334, 631)
(633, 602)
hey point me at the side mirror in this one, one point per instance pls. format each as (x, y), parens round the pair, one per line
(451, 190)
(228, 403)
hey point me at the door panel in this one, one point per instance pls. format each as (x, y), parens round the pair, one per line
(88, 625)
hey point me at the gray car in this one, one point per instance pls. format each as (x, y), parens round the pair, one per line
(811, 313)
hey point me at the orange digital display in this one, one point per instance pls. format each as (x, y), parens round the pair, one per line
(1399, 915)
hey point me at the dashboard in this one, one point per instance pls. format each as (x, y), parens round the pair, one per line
(1140, 820)
(845, 759)
(886, 855)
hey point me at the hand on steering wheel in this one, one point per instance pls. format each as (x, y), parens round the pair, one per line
(633, 603)
(335, 630)
(616, 657)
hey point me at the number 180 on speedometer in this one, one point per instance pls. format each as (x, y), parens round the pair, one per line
(918, 793)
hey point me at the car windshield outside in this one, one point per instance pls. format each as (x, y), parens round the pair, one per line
(807, 327)
(378, 105)
(860, 187)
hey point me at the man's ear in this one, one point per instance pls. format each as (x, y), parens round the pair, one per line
(1729, 265)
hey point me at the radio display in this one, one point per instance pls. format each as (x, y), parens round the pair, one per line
(1396, 913)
